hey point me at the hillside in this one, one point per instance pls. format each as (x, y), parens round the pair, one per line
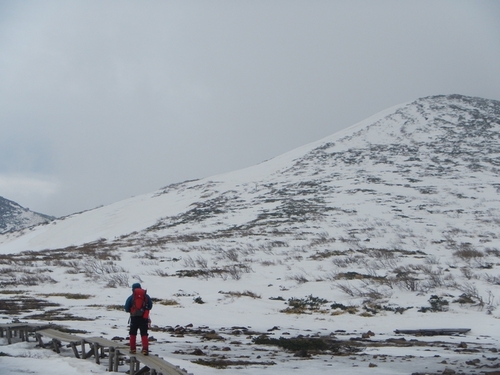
(431, 164)
(388, 224)
(14, 217)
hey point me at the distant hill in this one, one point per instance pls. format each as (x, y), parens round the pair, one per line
(14, 217)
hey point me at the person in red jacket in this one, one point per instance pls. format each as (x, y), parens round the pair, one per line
(138, 305)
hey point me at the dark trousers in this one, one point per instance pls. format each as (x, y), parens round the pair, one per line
(138, 323)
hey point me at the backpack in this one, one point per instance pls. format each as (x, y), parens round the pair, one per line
(139, 302)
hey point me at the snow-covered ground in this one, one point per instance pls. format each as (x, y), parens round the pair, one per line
(241, 310)
(238, 320)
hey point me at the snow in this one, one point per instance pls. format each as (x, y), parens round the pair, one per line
(365, 207)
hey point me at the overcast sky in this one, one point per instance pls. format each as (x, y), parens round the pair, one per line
(103, 100)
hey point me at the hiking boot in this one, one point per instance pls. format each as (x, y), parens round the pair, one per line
(145, 352)
(132, 351)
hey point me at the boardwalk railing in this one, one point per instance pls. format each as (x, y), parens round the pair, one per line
(21, 330)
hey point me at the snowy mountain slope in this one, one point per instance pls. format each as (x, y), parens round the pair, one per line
(14, 217)
(389, 224)
(431, 164)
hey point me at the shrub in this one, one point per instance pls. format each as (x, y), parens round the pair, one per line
(279, 298)
(396, 309)
(300, 306)
(159, 272)
(246, 293)
(466, 253)
(93, 268)
(117, 280)
(299, 278)
(367, 291)
(32, 280)
(438, 304)
(495, 280)
(348, 309)
(464, 298)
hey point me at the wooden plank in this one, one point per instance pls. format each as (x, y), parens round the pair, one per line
(433, 331)
(58, 337)
(158, 364)
(105, 342)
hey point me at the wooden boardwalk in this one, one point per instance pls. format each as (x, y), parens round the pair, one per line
(98, 347)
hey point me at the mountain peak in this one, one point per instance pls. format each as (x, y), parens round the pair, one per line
(14, 217)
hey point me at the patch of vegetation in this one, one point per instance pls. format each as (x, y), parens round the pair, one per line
(279, 298)
(294, 344)
(224, 363)
(24, 304)
(308, 344)
(464, 298)
(466, 252)
(396, 309)
(67, 330)
(56, 315)
(356, 276)
(407, 278)
(348, 309)
(108, 271)
(113, 307)
(303, 305)
(12, 291)
(68, 295)
(438, 304)
(493, 252)
(166, 302)
(326, 254)
(246, 293)
(372, 309)
(27, 277)
(235, 271)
